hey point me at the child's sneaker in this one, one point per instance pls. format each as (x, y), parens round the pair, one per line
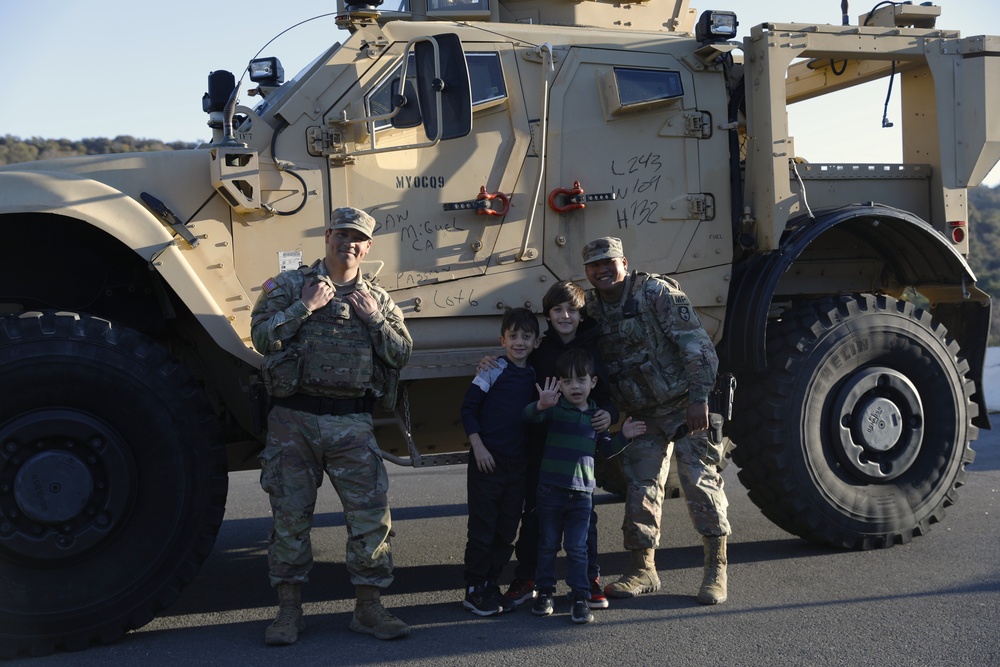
(520, 590)
(581, 612)
(597, 598)
(502, 602)
(480, 601)
(543, 605)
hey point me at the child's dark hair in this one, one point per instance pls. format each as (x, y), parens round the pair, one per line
(519, 319)
(576, 361)
(563, 290)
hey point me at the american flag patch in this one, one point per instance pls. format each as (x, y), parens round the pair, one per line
(270, 285)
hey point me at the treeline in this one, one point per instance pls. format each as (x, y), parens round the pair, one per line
(14, 149)
(984, 208)
(984, 247)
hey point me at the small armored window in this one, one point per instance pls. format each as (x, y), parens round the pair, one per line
(628, 89)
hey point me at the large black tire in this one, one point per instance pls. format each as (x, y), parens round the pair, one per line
(113, 481)
(858, 433)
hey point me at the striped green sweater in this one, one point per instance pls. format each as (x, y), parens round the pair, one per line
(570, 445)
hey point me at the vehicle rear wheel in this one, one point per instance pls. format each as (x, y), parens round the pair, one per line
(113, 480)
(858, 433)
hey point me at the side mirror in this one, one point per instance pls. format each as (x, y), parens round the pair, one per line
(408, 104)
(443, 87)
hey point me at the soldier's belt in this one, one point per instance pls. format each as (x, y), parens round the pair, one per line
(322, 405)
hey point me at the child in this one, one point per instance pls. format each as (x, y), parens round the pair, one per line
(491, 416)
(563, 306)
(566, 479)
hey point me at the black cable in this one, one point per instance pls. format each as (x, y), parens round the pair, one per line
(287, 169)
(305, 194)
(885, 110)
(877, 5)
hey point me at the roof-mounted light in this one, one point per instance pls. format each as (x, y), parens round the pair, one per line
(266, 72)
(362, 5)
(716, 26)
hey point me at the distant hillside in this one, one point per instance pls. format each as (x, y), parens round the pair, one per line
(984, 209)
(14, 149)
(984, 247)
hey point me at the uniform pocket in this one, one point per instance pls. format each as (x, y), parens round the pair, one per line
(272, 478)
(282, 372)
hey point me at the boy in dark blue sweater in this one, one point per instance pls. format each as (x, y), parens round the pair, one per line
(491, 416)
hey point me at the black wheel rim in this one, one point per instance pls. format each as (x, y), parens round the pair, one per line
(57, 498)
(879, 429)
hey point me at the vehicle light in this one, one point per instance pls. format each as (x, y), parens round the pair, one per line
(715, 26)
(957, 230)
(266, 71)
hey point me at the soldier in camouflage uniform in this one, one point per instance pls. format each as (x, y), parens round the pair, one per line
(332, 344)
(662, 366)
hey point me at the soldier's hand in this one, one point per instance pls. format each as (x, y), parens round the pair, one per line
(488, 363)
(631, 429)
(601, 421)
(697, 417)
(316, 294)
(363, 303)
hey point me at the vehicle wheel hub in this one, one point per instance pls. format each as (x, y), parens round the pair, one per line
(56, 495)
(880, 425)
(53, 487)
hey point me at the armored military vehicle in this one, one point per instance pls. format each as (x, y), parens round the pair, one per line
(491, 139)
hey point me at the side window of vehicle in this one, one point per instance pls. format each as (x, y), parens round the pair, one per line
(485, 76)
(634, 89)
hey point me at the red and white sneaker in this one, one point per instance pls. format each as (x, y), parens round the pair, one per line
(520, 591)
(597, 598)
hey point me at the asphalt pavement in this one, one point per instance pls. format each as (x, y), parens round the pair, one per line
(933, 602)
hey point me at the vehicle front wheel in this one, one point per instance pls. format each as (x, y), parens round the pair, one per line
(113, 480)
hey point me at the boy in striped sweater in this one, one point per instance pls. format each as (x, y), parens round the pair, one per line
(566, 480)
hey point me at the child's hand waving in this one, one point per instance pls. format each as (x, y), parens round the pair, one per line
(549, 396)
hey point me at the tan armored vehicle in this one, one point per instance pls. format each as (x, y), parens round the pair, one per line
(838, 294)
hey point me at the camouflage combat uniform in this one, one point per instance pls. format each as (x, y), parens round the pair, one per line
(329, 357)
(660, 359)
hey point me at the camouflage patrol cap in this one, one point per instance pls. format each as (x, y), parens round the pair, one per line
(347, 217)
(607, 247)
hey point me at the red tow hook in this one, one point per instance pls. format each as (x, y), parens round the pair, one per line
(489, 197)
(574, 198)
(482, 204)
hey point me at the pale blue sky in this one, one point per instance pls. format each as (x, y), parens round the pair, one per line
(102, 68)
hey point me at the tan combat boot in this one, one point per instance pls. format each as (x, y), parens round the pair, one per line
(288, 623)
(640, 578)
(713, 586)
(371, 617)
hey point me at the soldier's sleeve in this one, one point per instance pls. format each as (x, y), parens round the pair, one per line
(390, 338)
(681, 323)
(602, 392)
(609, 445)
(276, 316)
